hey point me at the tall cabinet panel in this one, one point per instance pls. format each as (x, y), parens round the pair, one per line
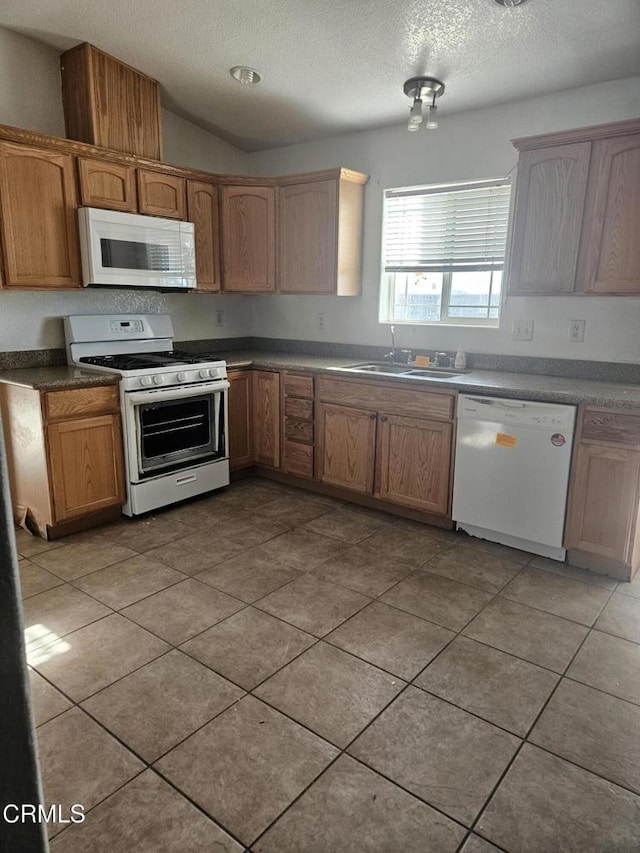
(39, 221)
(610, 260)
(548, 209)
(308, 234)
(248, 239)
(202, 207)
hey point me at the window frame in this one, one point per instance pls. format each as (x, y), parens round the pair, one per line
(386, 294)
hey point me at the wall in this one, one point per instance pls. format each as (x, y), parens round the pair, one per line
(30, 97)
(466, 146)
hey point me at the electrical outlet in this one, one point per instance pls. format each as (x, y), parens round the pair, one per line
(576, 330)
(220, 317)
(320, 321)
(522, 330)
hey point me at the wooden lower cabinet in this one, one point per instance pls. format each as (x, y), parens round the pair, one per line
(393, 442)
(65, 456)
(239, 433)
(346, 447)
(298, 430)
(603, 529)
(266, 417)
(413, 462)
(85, 463)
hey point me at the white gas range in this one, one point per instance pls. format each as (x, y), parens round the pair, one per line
(174, 405)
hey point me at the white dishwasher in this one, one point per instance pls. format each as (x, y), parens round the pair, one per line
(512, 472)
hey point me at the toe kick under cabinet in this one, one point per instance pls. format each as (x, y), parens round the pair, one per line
(65, 456)
(390, 442)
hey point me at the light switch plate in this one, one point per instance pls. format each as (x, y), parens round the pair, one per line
(522, 330)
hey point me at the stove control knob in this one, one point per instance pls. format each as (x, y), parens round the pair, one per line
(158, 379)
(181, 377)
(205, 373)
(146, 381)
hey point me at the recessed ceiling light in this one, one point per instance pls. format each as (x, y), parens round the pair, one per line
(510, 4)
(246, 76)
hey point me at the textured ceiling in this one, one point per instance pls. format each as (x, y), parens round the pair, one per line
(333, 66)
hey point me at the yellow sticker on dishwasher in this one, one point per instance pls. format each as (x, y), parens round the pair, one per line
(503, 439)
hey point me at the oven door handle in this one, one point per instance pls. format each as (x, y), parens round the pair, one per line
(181, 392)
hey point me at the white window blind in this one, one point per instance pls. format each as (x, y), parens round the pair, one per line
(447, 228)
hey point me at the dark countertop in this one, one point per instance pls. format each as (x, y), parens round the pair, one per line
(59, 378)
(524, 386)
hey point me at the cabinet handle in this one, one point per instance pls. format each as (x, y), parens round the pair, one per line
(383, 418)
(372, 416)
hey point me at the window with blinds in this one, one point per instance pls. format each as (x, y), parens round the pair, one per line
(443, 253)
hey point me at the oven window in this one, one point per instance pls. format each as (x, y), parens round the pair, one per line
(130, 255)
(177, 429)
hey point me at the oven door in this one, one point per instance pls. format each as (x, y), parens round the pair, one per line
(173, 428)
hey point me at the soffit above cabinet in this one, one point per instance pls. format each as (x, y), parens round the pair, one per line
(332, 67)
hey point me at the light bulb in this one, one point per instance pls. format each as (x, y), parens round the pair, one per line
(415, 116)
(432, 118)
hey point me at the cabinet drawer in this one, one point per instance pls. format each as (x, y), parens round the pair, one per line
(384, 398)
(298, 386)
(300, 409)
(298, 459)
(80, 402)
(615, 427)
(298, 430)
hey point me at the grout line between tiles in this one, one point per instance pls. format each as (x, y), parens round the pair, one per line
(534, 723)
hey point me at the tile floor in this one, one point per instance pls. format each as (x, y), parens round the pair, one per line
(275, 671)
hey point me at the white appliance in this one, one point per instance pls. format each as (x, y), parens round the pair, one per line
(512, 472)
(174, 405)
(127, 250)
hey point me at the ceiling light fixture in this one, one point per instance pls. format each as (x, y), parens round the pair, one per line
(422, 89)
(511, 4)
(245, 75)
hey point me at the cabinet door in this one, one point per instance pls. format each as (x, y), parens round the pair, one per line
(610, 251)
(346, 446)
(202, 207)
(266, 418)
(602, 500)
(39, 220)
(108, 185)
(414, 463)
(239, 438)
(307, 220)
(248, 239)
(548, 212)
(85, 465)
(161, 195)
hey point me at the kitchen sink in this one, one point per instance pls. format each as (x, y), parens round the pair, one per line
(405, 370)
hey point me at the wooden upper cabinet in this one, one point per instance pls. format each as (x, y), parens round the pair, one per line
(346, 447)
(202, 210)
(610, 257)
(266, 417)
(320, 233)
(414, 462)
(161, 195)
(108, 185)
(308, 233)
(109, 104)
(248, 239)
(39, 221)
(549, 203)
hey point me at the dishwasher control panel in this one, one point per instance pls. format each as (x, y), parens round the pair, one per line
(530, 413)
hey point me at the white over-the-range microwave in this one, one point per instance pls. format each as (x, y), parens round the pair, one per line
(129, 250)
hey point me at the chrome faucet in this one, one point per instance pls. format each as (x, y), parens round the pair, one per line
(391, 356)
